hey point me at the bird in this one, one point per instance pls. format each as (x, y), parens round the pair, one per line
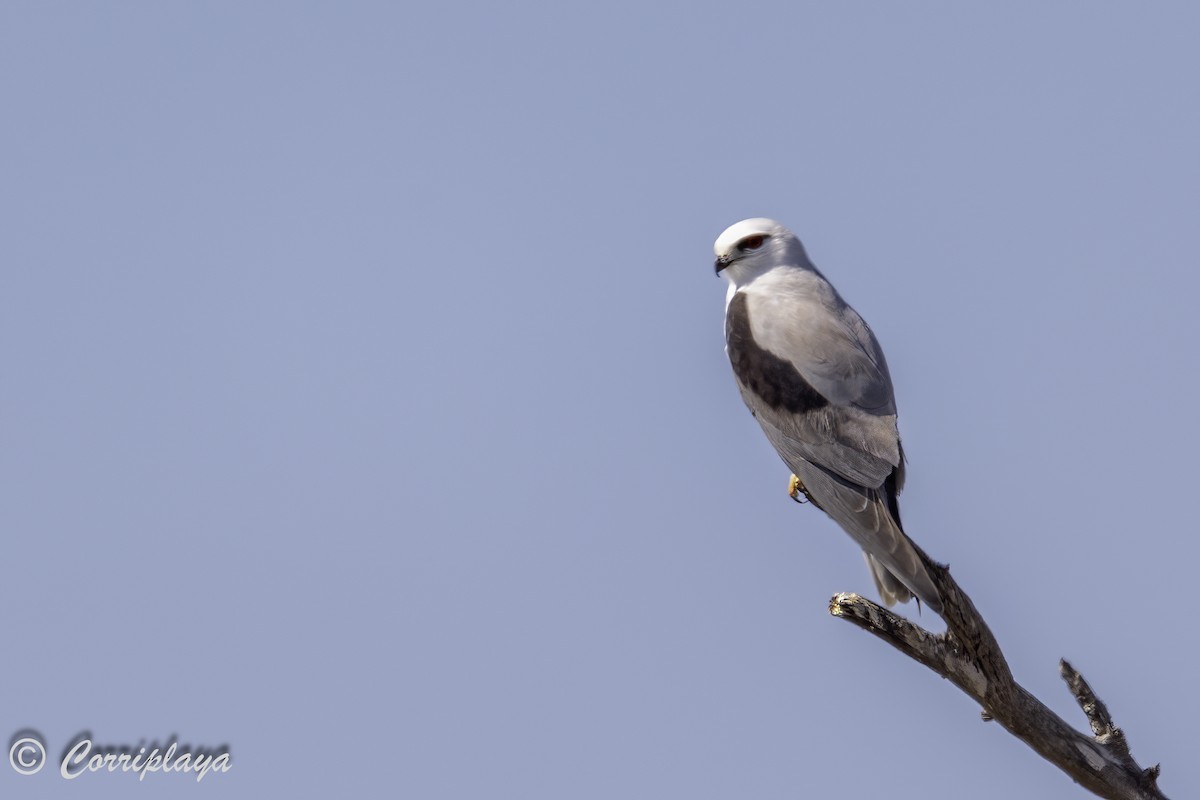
(814, 377)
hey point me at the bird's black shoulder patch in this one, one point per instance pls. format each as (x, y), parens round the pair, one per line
(775, 380)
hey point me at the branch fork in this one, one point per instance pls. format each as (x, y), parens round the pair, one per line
(969, 656)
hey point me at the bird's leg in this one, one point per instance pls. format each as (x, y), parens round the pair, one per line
(796, 488)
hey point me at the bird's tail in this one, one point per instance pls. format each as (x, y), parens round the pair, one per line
(897, 567)
(891, 590)
(870, 517)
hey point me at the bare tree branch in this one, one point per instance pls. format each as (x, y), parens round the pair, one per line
(969, 656)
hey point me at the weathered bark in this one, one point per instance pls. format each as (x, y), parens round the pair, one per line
(969, 656)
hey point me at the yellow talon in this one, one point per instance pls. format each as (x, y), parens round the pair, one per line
(796, 488)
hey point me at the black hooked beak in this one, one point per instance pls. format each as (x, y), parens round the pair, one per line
(721, 263)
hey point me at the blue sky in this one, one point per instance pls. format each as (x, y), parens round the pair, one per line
(365, 404)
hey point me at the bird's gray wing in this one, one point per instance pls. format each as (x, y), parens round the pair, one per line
(813, 374)
(802, 319)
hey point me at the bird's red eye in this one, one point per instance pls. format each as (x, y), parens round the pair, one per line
(752, 243)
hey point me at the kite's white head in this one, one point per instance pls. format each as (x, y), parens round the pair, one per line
(749, 248)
